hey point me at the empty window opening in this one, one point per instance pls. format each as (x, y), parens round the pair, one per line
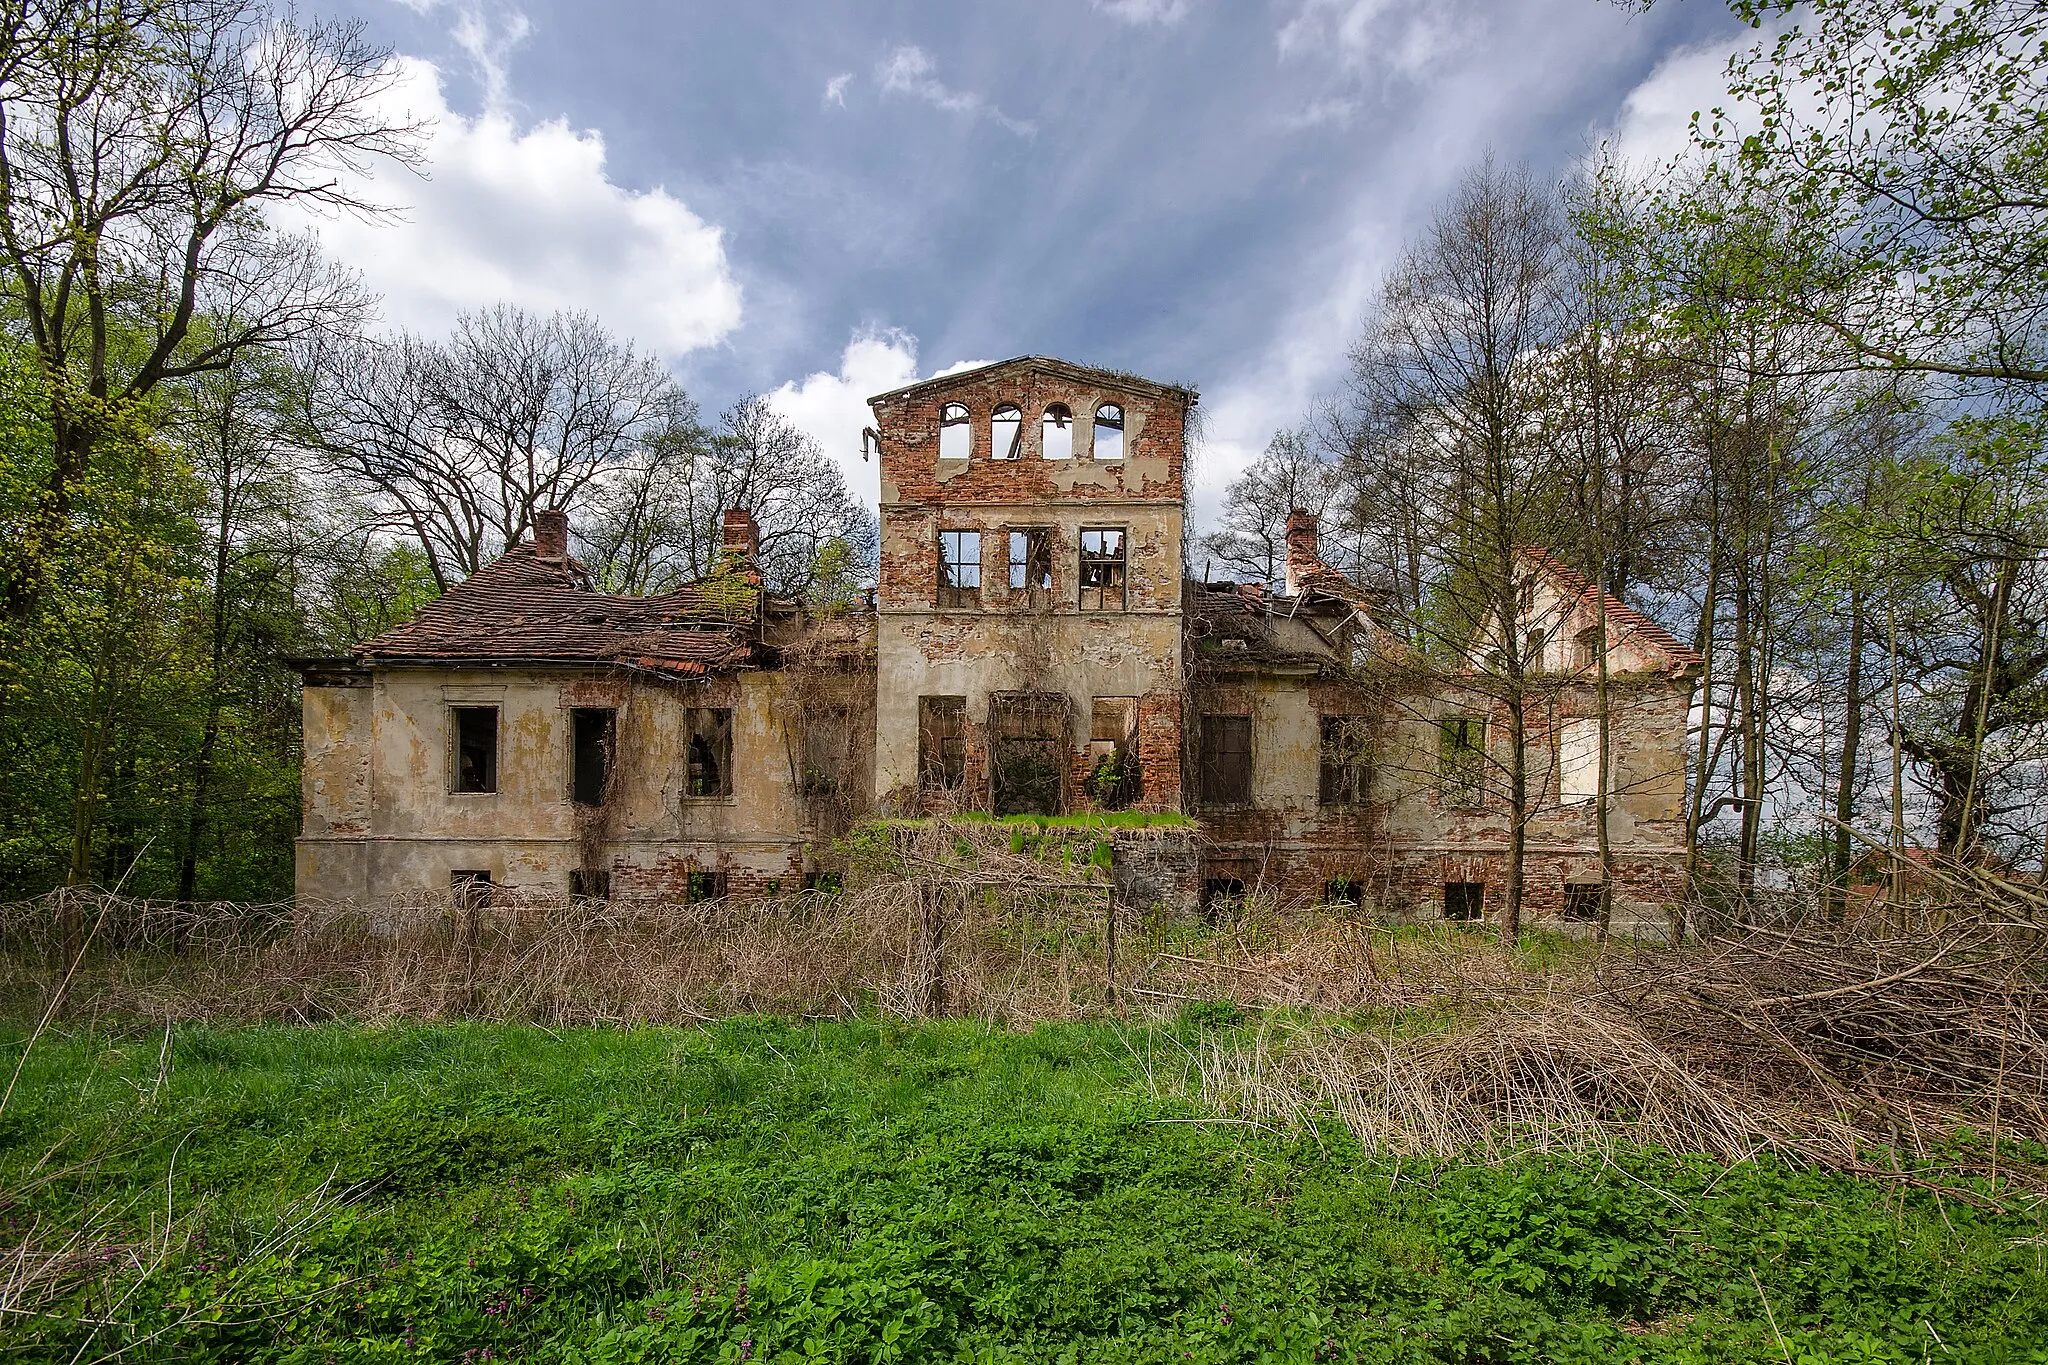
(1056, 438)
(1226, 776)
(476, 748)
(1113, 752)
(595, 886)
(1582, 901)
(1586, 649)
(1109, 432)
(594, 730)
(1031, 561)
(1343, 891)
(826, 751)
(1102, 568)
(941, 742)
(1005, 432)
(1222, 894)
(1534, 646)
(1578, 761)
(1027, 752)
(1461, 760)
(470, 890)
(959, 568)
(710, 768)
(956, 432)
(1346, 770)
(704, 884)
(1464, 900)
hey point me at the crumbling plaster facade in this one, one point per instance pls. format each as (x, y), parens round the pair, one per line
(1180, 663)
(382, 814)
(1045, 641)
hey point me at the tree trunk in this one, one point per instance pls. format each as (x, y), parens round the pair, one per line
(1845, 782)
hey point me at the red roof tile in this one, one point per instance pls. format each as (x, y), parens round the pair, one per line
(1633, 624)
(527, 607)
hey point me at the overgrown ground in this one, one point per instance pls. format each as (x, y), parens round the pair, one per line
(756, 1189)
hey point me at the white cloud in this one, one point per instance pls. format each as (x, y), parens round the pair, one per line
(835, 89)
(908, 71)
(1337, 110)
(1163, 12)
(1655, 121)
(527, 215)
(1378, 39)
(489, 47)
(833, 408)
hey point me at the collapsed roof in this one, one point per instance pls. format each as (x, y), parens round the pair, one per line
(534, 605)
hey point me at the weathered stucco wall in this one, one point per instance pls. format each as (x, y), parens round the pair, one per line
(382, 815)
(1406, 842)
(1029, 640)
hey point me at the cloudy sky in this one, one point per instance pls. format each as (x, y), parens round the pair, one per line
(822, 199)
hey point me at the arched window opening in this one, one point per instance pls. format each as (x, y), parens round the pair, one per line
(1058, 439)
(1109, 432)
(1005, 431)
(956, 436)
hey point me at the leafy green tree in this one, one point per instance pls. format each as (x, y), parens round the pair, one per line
(141, 142)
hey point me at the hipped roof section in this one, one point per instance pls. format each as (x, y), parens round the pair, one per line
(529, 608)
(1044, 364)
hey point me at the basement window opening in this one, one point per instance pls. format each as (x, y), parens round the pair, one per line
(1102, 568)
(1343, 891)
(704, 884)
(941, 742)
(1109, 432)
(956, 432)
(710, 765)
(596, 886)
(1056, 438)
(1005, 432)
(476, 748)
(1221, 895)
(1464, 900)
(1226, 768)
(959, 568)
(470, 889)
(593, 730)
(1582, 901)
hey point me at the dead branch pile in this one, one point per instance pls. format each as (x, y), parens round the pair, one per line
(1827, 1042)
(956, 923)
(1902, 1033)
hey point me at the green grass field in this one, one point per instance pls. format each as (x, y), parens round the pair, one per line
(763, 1191)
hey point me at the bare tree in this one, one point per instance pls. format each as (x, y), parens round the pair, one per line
(1455, 362)
(458, 443)
(1250, 540)
(141, 142)
(759, 460)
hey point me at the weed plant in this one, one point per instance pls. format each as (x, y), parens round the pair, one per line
(760, 1190)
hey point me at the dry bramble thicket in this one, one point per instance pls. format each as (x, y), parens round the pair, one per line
(1856, 1043)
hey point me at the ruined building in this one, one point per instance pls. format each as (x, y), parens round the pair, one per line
(1034, 647)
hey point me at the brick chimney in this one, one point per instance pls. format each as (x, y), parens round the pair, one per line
(742, 537)
(551, 534)
(1304, 558)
